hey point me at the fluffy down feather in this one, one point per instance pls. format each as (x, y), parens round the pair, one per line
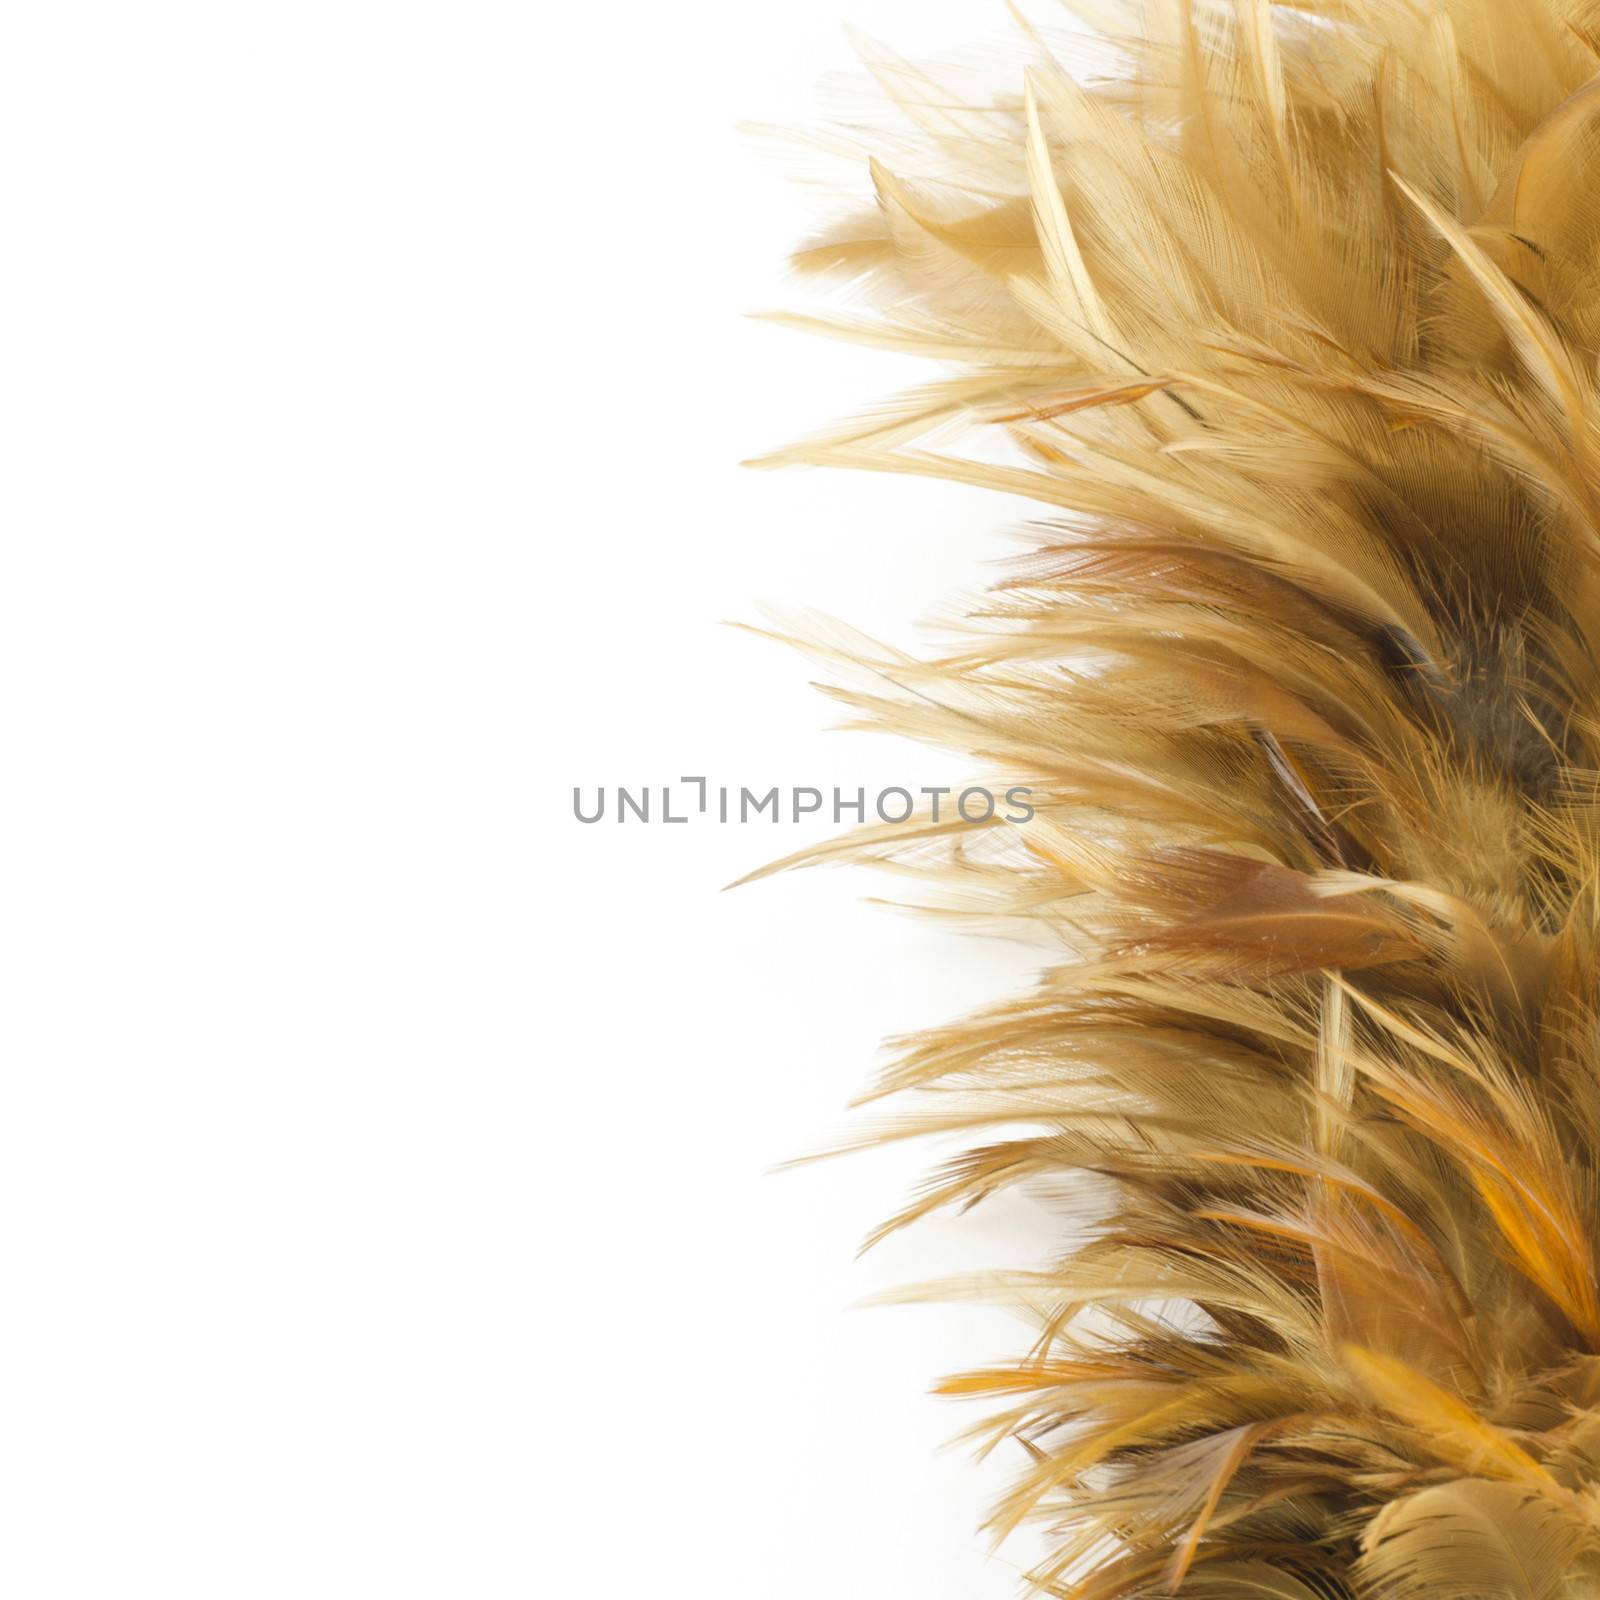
(1290, 324)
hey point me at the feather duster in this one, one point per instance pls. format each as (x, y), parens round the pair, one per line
(1288, 324)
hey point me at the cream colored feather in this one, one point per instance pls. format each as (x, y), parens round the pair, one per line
(1289, 326)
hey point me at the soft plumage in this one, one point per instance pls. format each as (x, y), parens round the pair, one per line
(1288, 323)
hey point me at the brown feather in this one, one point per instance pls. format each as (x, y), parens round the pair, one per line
(1291, 328)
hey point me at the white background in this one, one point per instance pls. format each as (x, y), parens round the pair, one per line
(383, 1155)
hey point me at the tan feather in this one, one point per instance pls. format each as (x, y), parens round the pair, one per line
(1288, 331)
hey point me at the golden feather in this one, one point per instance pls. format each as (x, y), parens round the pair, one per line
(1291, 325)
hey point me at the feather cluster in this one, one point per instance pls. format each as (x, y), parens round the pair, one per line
(1289, 325)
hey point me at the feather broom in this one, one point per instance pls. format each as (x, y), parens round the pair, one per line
(1291, 325)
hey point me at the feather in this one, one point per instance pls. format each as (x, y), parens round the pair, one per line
(1287, 331)
(1449, 1429)
(1470, 1538)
